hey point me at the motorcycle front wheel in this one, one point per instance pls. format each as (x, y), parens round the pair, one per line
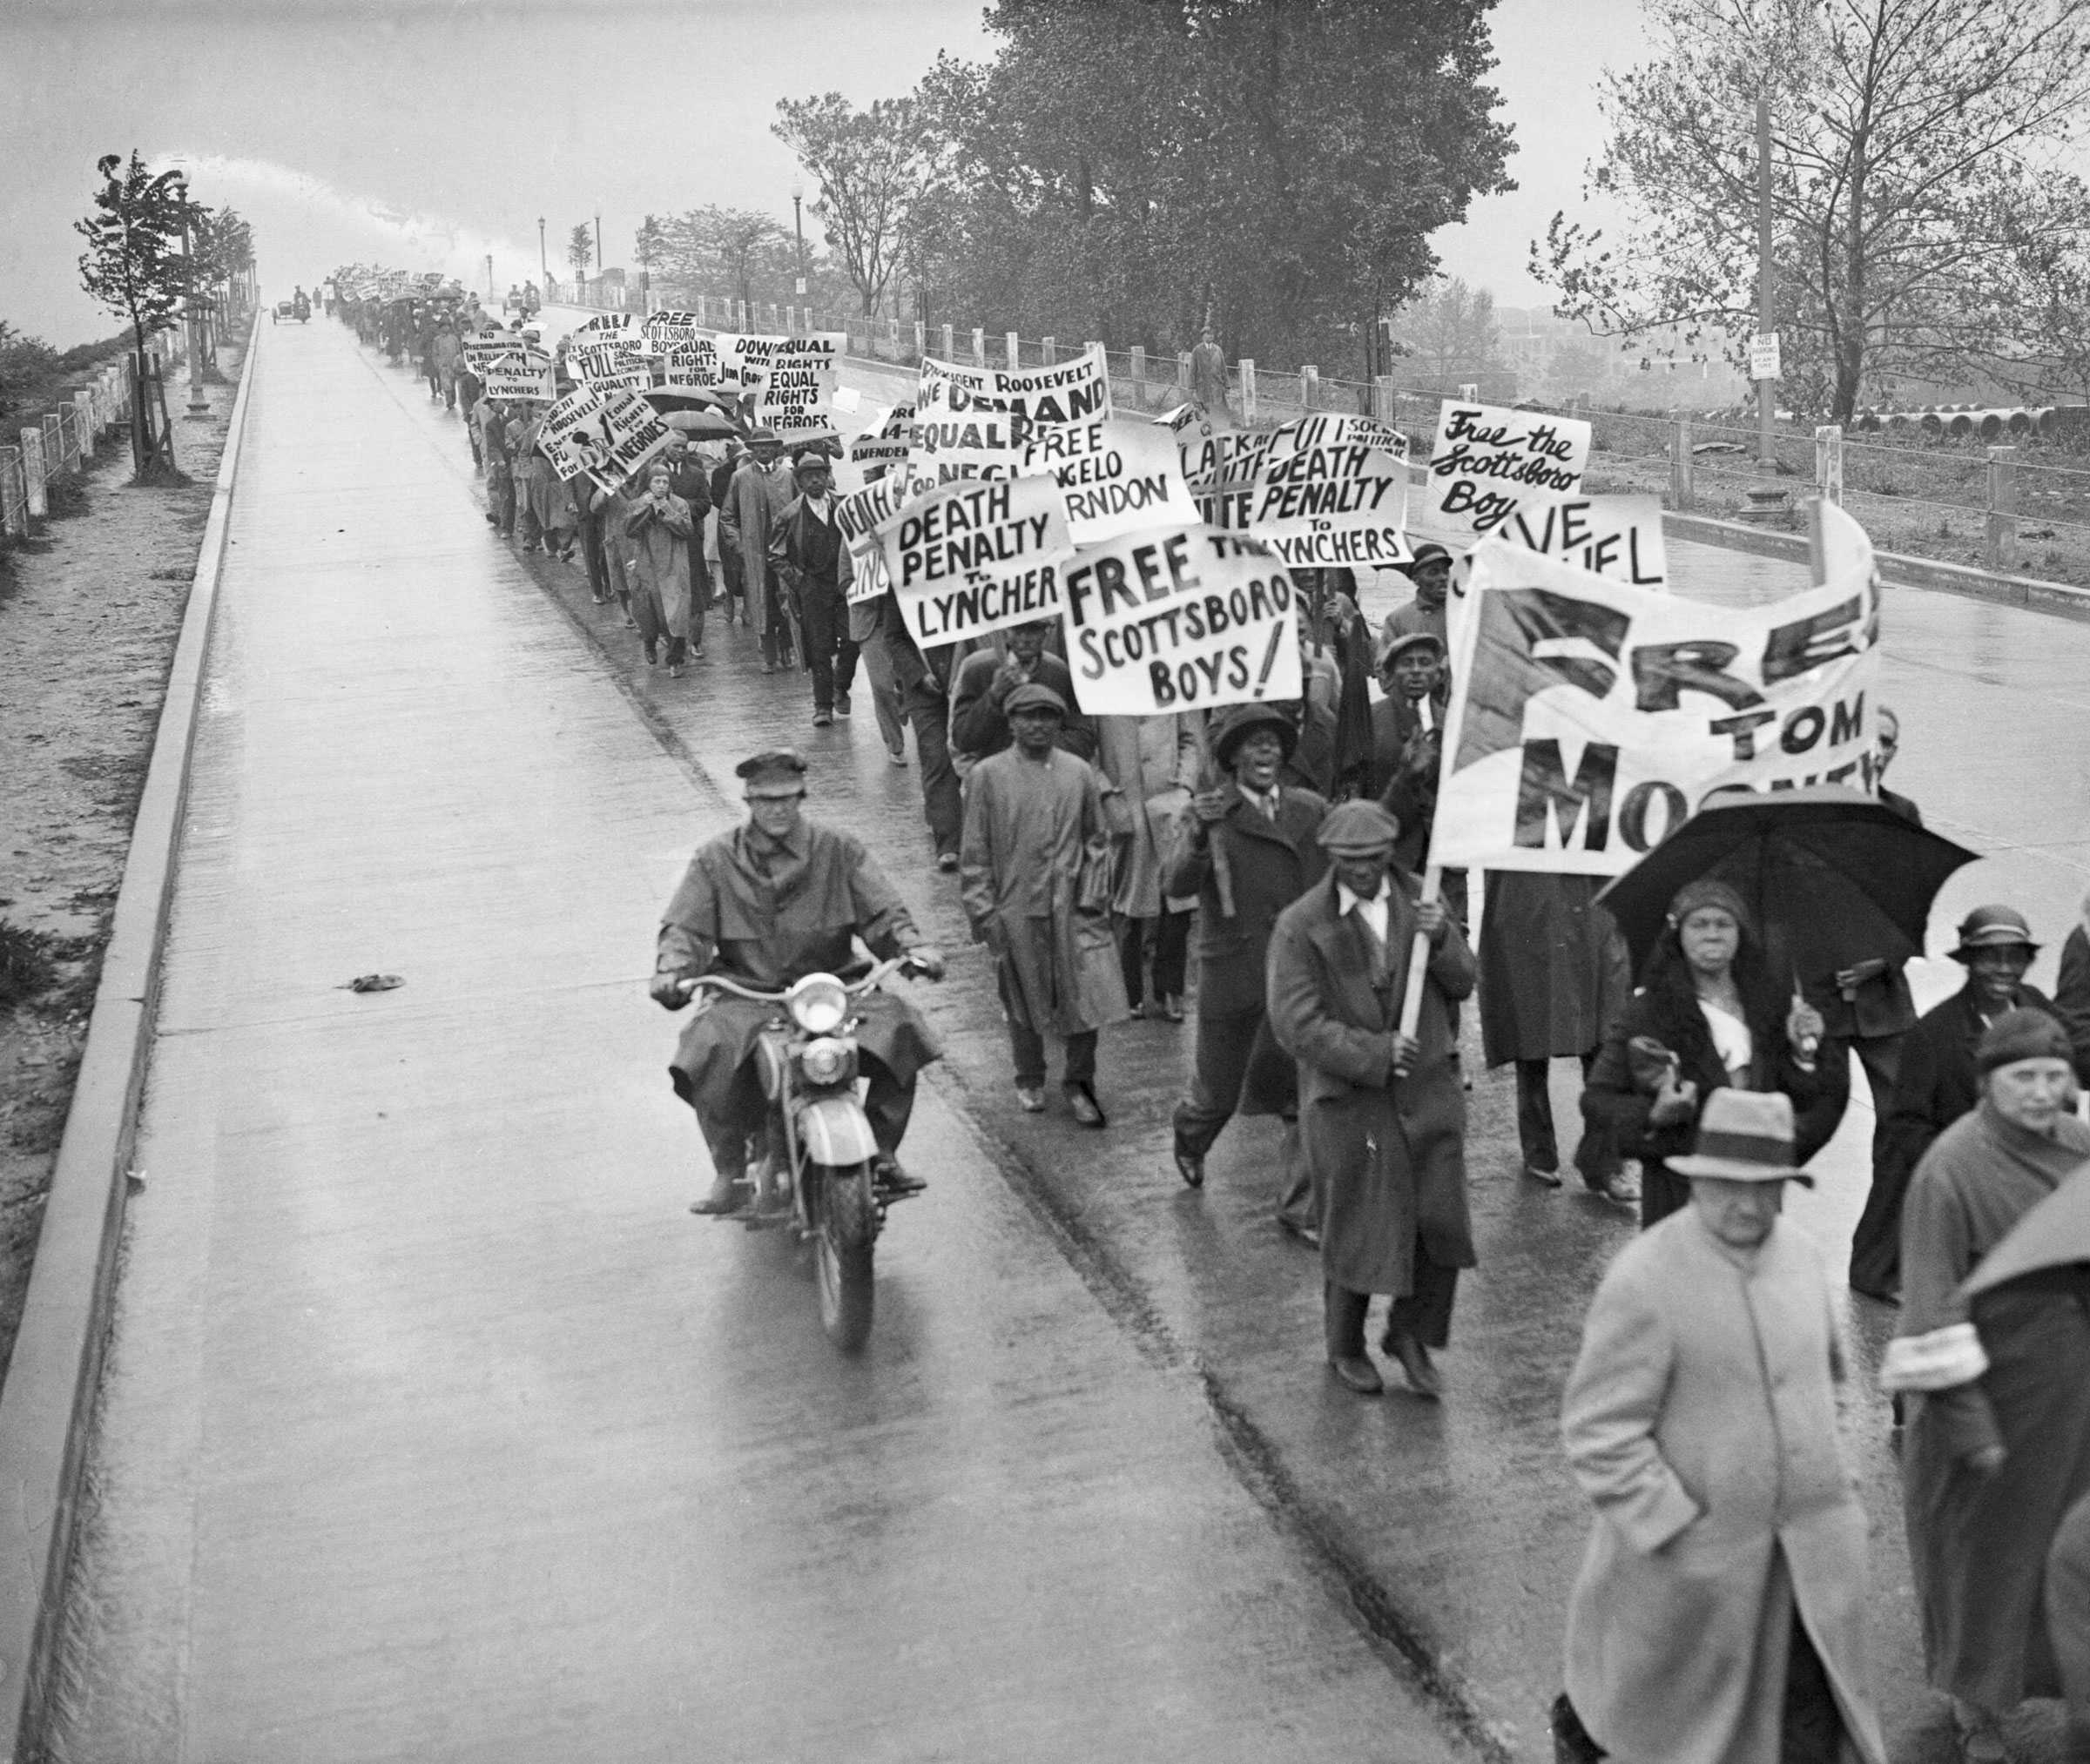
(848, 1226)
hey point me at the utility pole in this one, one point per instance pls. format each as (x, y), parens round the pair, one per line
(798, 225)
(199, 405)
(1767, 387)
(543, 265)
(489, 277)
(598, 245)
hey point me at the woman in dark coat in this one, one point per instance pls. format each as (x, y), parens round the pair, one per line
(1708, 1013)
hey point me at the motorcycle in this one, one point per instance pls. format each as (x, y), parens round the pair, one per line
(819, 1172)
(301, 309)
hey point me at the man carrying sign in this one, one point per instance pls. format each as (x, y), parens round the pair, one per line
(805, 550)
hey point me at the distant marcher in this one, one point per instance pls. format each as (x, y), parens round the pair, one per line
(1382, 1116)
(730, 581)
(1035, 875)
(1153, 762)
(1936, 1082)
(548, 518)
(1719, 1617)
(762, 487)
(1260, 833)
(447, 354)
(924, 699)
(656, 537)
(471, 387)
(1208, 374)
(1708, 1014)
(688, 479)
(1998, 1389)
(1554, 974)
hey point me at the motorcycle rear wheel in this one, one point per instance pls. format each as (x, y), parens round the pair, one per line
(848, 1228)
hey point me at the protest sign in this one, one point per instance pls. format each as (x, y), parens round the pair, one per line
(1589, 718)
(1178, 619)
(1118, 474)
(480, 351)
(859, 516)
(802, 376)
(883, 447)
(520, 376)
(617, 363)
(689, 366)
(1333, 490)
(663, 330)
(1618, 536)
(972, 557)
(607, 432)
(974, 422)
(1485, 456)
(607, 325)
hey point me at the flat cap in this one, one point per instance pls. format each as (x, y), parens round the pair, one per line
(2021, 1034)
(773, 765)
(1991, 928)
(1033, 695)
(1413, 640)
(1430, 552)
(1358, 826)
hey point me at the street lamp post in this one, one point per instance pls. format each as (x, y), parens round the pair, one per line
(544, 265)
(798, 225)
(199, 405)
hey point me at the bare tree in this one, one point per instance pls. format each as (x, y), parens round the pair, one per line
(1450, 332)
(870, 166)
(1915, 148)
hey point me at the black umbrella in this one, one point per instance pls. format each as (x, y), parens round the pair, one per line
(1832, 877)
(687, 398)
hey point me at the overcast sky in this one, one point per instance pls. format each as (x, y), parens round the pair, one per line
(428, 136)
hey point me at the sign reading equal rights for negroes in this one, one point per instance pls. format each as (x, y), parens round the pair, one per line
(609, 433)
(977, 556)
(1487, 456)
(1589, 718)
(1179, 618)
(974, 422)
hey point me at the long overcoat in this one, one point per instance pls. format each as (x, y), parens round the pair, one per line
(657, 551)
(1154, 762)
(1554, 970)
(1387, 1154)
(1271, 865)
(1034, 873)
(754, 500)
(1700, 1418)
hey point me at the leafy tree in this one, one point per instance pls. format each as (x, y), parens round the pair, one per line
(1915, 162)
(746, 249)
(649, 246)
(27, 364)
(134, 266)
(580, 248)
(871, 167)
(1122, 167)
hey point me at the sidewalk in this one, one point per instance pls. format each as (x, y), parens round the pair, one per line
(432, 1427)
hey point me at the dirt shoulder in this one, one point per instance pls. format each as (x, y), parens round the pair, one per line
(89, 611)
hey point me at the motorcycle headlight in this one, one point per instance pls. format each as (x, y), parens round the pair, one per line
(817, 1004)
(824, 1061)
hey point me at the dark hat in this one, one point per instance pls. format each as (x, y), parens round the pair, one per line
(1033, 695)
(1744, 1136)
(1993, 927)
(1707, 890)
(1413, 640)
(810, 461)
(755, 435)
(774, 765)
(1429, 552)
(1233, 725)
(2020, 1035)
(1358, 825)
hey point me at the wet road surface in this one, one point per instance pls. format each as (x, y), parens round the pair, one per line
(1091, 1479)
(433, 1426)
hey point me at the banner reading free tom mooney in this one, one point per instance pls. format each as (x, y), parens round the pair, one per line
(1181, 617)
(1589, 717)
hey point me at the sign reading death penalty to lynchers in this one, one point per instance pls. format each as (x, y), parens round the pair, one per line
(859, 514)
(1179, 618)
(609, 432)
(1119, 475)
(976, 556)
(1330, 493)
(524, 378)
(1486, 456)
(1589, 718)
(974, 422)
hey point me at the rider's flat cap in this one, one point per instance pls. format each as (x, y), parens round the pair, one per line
(775, 765)
(1033, 695)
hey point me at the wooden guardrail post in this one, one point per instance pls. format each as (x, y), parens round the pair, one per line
(1139, 373)
(1310, 387)
(1049, 349)
(1683, 491)
(950, 344)
(1829, 462)
(1014, 344)
(32, 474)
(2003, 508)
(1248, 388)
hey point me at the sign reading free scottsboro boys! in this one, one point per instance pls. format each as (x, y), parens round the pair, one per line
(1179, 618)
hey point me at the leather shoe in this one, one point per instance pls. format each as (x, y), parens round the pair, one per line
(729, 1194)
(1031, 1098)
(1550, 1179)
(947, 862)
(892, 1179)
(1358, 1374)
(1082, 1105)
(1191, 1168)
(1415, 1365)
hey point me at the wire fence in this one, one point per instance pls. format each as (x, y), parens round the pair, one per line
(1963, 487)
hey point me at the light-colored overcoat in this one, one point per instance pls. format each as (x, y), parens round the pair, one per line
(1154, 762)
(658, 547)
(1701, 1420)
(755, 500)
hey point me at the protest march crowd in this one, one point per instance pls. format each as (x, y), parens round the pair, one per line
(1175, 772)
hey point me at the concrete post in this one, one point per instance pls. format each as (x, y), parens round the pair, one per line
(1829, 462)
(1139, 372)
(55, 461)
(773, 321)
(32, 473)
(950, 343)
(1683, 492)
(1310, 387)
(1050, 350)
(744, 324)
(921, 340)
(14, 505)
(892, 334)
(701, 320)
(1248, 386)
(2002, 508)
(979, 347)
(1014, 345)
(83, 404)
(1382, 397)
(1183, 376)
